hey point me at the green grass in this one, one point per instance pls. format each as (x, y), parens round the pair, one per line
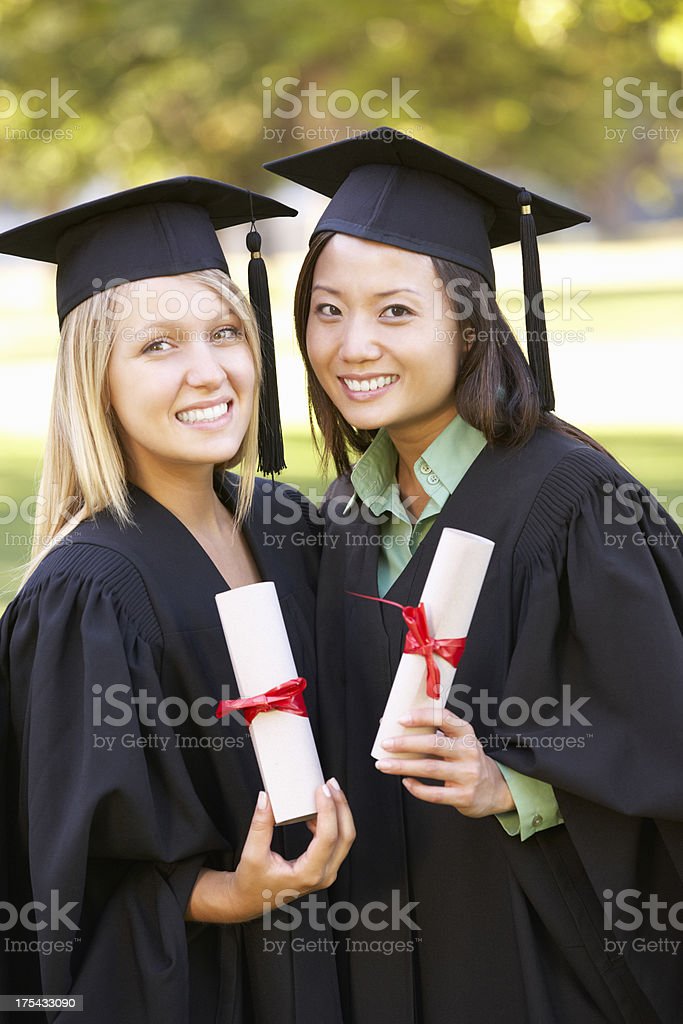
(303, 468)
(19, 478)
(656, 459)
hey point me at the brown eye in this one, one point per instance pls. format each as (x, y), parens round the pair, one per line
(396, 312)
(226, 333)
(327, 309)
(156, 345)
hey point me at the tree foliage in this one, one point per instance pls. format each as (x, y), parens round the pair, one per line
(515, 85)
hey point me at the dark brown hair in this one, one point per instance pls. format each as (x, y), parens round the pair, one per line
(494, 389)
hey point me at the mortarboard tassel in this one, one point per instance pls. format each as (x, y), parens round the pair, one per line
(270, 444)
(537, 335)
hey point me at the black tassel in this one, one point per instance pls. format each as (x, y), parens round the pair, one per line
(270, 445)
(537, 335)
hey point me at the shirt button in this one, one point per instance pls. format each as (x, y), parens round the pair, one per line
(537, 820)
(424, 468)
(432, 478)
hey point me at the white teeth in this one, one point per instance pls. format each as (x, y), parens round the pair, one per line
(371, 384)
(199, 415)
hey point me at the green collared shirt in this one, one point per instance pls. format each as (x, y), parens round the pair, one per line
(439, 469)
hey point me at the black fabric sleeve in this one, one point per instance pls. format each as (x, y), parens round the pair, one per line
(599, 577)
(112, 826)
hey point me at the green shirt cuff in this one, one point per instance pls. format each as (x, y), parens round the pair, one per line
(535, 805)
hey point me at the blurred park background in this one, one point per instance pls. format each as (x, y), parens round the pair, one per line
(581, 100)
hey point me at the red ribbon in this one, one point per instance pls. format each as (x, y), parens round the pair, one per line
(418, 641)
(285, 697)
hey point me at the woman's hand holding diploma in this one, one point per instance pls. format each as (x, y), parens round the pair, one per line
(472, 781)
(230, 897)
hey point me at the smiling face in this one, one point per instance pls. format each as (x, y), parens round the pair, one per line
(379, 341)
(181, 378)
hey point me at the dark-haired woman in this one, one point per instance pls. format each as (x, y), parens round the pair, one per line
(525, 864)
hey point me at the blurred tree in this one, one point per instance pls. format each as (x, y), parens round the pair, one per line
(522, 86)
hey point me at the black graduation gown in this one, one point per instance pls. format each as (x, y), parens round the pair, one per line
(118, 816)
(513, 931)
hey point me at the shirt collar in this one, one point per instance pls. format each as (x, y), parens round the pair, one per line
(374, 475)
(452, 453)
(440, 468)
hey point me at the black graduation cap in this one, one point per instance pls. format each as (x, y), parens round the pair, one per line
(160, 230)
(387, 187)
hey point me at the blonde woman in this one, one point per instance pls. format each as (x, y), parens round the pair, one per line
(135, 826)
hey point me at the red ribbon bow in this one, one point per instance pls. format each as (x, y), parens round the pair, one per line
(418, 641)
(285, 697)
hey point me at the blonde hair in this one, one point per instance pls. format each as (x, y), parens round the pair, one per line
(84, 467)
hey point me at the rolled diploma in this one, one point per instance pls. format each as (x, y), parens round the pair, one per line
(261, 659)
(450, 596)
